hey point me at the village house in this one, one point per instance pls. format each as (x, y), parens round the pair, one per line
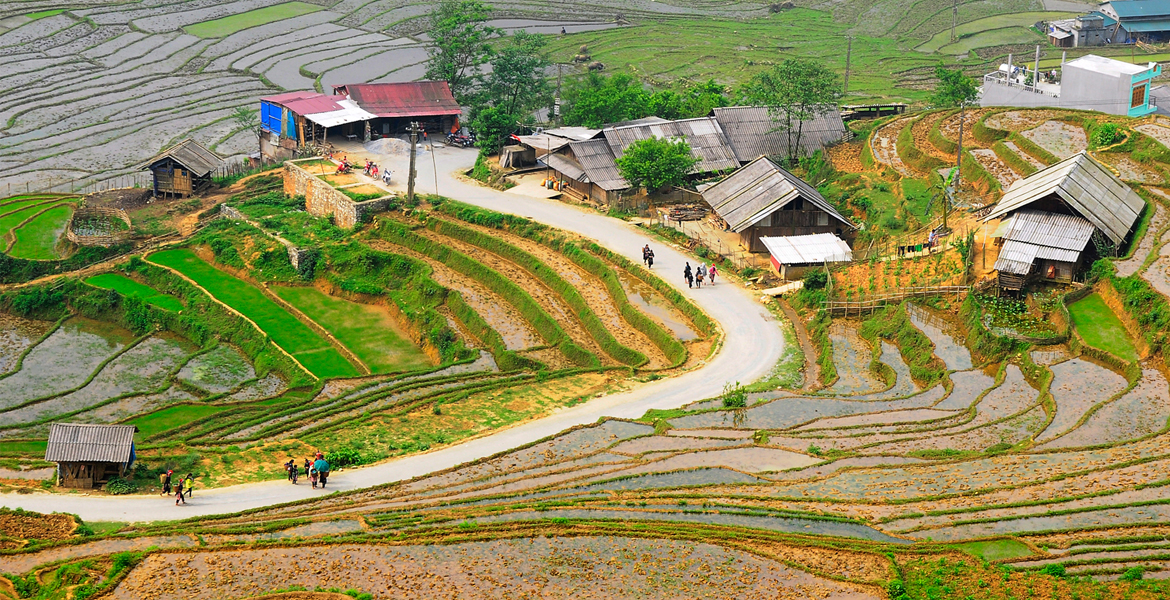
(764, 200)
(183, 169)
(723, 141)
(1088, 83)
(1116, 22)
(360, 111)
(88, 456)
(793, 256)
(1059, 219)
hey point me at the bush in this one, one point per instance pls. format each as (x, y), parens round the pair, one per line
(1106, 135)
(734, 396)
(118, 486)
(1055, 570)
(816, 280)
(345, 457)
(1132, 574)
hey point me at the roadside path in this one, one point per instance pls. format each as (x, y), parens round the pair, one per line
(752, 345)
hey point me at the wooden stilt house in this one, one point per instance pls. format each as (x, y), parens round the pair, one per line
(88, 456)
(183, 169)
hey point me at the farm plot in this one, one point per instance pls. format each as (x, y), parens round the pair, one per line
(369, 331)
(219, 370)
(225, 26)
(296, 338)
(993, 164)
(38, 238)
(16, 336)
(1059, 138)
(1101, 328)
(130, 288)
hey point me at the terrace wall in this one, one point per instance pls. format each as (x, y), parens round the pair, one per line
(323, 200)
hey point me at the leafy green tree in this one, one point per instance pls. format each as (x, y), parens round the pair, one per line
(795, 91)
(656, 163)
(596, 100)
(461, 43)
(517, 83)
(246, 119)
(493, 125)
(954, 89)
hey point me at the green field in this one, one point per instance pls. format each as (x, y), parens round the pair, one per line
(37, 239)
(368, 331)
(17, 216)
(130, 288)
(170, 418)
(996, 549)
(229, 25)
(1101, 328)
(941, 42)
(45, 13)
(992, 38)
(296, 338)
(24, 447)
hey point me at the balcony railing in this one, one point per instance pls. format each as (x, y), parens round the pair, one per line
(1001, 78)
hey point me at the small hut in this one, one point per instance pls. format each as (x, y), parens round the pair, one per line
(764, 200)
(793, 256)
(183, 169)
(88, 456)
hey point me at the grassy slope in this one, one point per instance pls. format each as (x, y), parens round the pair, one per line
(1101, 328)
(366, 330)
(169, 418)
(37, 239)
(229, 25)
(998, 22)
(285, 330)
(128, 287)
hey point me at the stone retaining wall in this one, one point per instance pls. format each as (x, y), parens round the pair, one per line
(323, 200)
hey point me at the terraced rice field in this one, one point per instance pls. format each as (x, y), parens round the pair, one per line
(298, 339)
(131, 288)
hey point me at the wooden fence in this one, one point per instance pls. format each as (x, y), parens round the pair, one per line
(867, 304)
(98, 239)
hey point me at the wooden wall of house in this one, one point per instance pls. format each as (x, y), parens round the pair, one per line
(795, 218)
(173, 179)
(87, 475)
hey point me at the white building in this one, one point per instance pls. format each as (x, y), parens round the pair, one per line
(1090, 83)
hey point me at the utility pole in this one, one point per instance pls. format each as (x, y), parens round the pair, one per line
(410, 176)
(954, 17)
(848, 58)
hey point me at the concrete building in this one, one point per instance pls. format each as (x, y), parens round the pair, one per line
(1131, 21)
(1085, 30)
(1089, 83)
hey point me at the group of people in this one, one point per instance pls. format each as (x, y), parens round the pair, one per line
(648, 257)
(181, 487)
(695, 277)
(316, 470)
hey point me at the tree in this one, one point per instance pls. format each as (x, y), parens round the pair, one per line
(954, 89)
(795, 91)
(596, 100)
(460, 43)
(247, 120)
(492, 125)
(517, 83)
(656, 163)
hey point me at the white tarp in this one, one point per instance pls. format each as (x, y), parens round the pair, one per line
(808, 249)
(349, 113)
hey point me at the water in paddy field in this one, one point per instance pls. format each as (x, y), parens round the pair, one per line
(650, 302)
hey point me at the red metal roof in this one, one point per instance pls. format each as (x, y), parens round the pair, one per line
(289, 96)
(409, 99)
(317, 104)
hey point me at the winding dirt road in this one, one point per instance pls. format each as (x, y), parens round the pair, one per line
(752, 345)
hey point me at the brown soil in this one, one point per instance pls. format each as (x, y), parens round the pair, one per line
(1059, 138)
(366, 189)
(1129, 169)
(950, 127)
(595, 293)
(841, 563)
(126, 199)
(25, 526)
(921, 132)
(546, 298)
(885, 146)
(847, 157)
(936, 269)
(994, 165)
(1020, 120)
(303, 596)
(342, 179)
(1065, 540)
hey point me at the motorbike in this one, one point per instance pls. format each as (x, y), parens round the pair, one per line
(344, 168)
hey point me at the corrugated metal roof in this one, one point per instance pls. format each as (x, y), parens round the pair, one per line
(759, 189)
(1147, 26)
(190, 154)
(577, 134)
(1066, 232)
(405, 99)
(752, 131)
(1016, 258)
(817, 248)
(313, 105)
(289, 96)
(597, 159)
(76, 442)
(566, 166)
(543, 143)
(347, 112)
(1140, 8)
(1090, 189)
(703, 135)
(642, 121)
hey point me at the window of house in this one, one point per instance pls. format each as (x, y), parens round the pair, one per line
(1139, 97)
(822, 219)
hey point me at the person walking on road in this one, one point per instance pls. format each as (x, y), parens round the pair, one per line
(689, 276)
(649, 258)
(189, 483)
(699, 274)
(322, 469)
(166, 483)
(712, 273)
(179, 492)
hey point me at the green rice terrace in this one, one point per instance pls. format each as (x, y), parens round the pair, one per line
(970, 445)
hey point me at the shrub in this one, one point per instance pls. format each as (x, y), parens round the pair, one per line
(345, 457)
(118, 486)
(1132, 574)
(1055, 570)
(1106, 135)
(816, 280)
(734, 396)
